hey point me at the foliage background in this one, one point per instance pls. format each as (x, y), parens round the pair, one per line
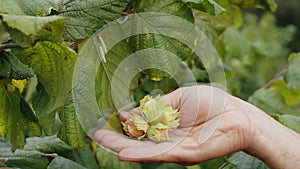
(40, 41)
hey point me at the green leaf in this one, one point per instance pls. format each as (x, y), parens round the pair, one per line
(209, 6)
(4, 145)
(232, 16)
(53, 64)
(61, 162)
(271, 101)
(157, 40)
(45, 108)
(105, 73)
(48, 144)
(13, 125)
(159, 87)
(261, 31)
(13, 68)
(32, 7)
(85, 157)
(214, 163)
(292, 122)
(292, 73)
(3, 33)
(241, 160)
(24, 159)
(173, 7)
(171, 165)
(27, 111)
(291, 97)
(25, 30)
(267, 4)
(83, 18)
(237, 45)
(107, 160)
(71, 131)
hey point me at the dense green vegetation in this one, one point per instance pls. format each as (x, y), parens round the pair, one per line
(41, 40)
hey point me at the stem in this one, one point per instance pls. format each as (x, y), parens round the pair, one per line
(75, 44)
(50, 155)
(223, 165)
(278, 76)
(8, 46)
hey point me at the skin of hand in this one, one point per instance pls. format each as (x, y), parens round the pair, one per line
(212, 124)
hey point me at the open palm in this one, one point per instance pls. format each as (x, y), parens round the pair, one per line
(211, 125)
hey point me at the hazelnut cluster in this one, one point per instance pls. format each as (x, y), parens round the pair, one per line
(156, 119)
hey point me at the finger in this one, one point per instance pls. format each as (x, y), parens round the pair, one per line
(117, 142)
(124, 116)
(147, 153)
(173, 98)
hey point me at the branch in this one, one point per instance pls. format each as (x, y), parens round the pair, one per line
(53, 155)
(277, 77)
(8, 46)
(75, 44)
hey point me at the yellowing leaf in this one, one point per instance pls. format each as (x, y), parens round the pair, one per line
(13, 124)
(20, 84)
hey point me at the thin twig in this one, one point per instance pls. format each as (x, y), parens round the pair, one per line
(277, 77)
(75, 44)
(223, 165)
(50, 155)
(8, 46)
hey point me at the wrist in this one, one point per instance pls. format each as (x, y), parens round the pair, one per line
(275, 144)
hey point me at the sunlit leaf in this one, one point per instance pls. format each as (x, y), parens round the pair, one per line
(32, 7)
(13, 125)
(25, 30)
(291, 97)
(292, 74)
(20, 84)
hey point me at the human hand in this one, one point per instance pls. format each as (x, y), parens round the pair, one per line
(212, 124)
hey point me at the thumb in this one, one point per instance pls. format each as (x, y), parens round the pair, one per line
(173, 98)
